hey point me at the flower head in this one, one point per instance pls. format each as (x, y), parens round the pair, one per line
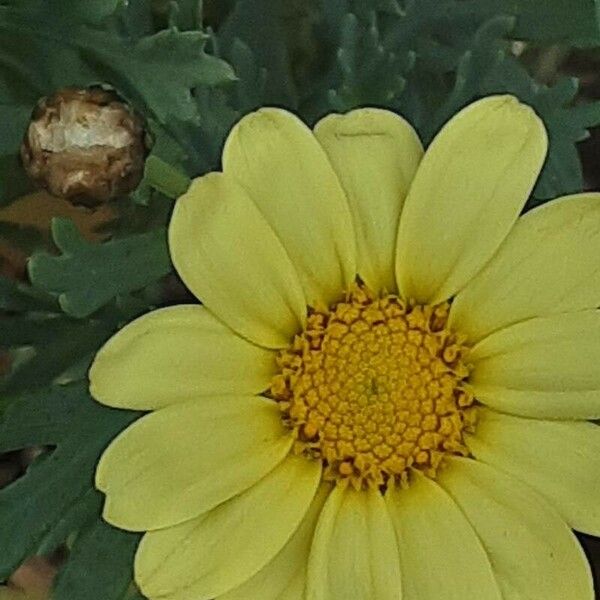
(385, 393)
(85, 145)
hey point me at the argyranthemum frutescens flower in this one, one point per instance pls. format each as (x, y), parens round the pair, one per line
(385, 394)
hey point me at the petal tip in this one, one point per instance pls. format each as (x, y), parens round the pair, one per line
(100, 482)
(265, 117)
(528, 116)
(99, 380)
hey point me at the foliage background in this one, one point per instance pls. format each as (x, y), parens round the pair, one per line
(191, 71)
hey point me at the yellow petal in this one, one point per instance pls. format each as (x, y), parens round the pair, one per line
(287, 173)
(354, 552)
(467, 194)
(375, 154)
(545, 367)
(177, 354)
(548, 264)
(441, 557)
(284, 578)
(533, 552)
(229, 257)
(212, 554)
(561, 460)
(183, 460)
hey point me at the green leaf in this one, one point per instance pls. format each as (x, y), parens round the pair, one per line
(251, 87)
(461, 51)
(180, 154)
(19, 297)
(135, 18)
(52, 490)
(14, 182)
(73, 520)
(487, 50)
(184, 14)
(575, 22)
(179, 58)
(373, 54)
(44, 346)
(87, 276)
(368, 74)
(218, 116)
(99, 566)
(488, 68)
(567, 124)
(13, 123)
(24, 237)
(164, 178)
(270, 29)
(92, 11)
(134, 594)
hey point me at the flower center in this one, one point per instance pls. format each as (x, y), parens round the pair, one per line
(374, 387)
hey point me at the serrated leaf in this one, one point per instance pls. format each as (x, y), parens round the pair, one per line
(179, 58)
(251, 86)
(566, 122)
(575, 22)
(485, 52)
(13, 122)
(73, 520)
(387, 58)
(183, 14)
(218, 116)
(43, 50)
(24, 237)
(61, 479)
(484, 66)
(99, 566)
(388, 6)
(13, 179)
(369, 74)
(92, 11)
(487, 67)
(87, 276)
(158, 71)
(263, 26)
(43, 346)
(19, 297)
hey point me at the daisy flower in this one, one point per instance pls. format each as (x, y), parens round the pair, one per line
(387, 390)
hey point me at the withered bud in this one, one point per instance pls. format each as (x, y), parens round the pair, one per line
(84, 145)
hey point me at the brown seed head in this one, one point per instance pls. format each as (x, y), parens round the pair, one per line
(84, 145)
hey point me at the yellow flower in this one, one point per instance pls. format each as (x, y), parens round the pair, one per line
(385, 393)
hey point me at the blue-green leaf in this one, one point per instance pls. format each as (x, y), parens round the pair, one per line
(60, 481)
(87, 276)
(100, 565)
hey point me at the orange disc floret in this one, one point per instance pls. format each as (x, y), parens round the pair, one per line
(374, 387)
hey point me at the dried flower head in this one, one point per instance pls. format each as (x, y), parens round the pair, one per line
(85, 145)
